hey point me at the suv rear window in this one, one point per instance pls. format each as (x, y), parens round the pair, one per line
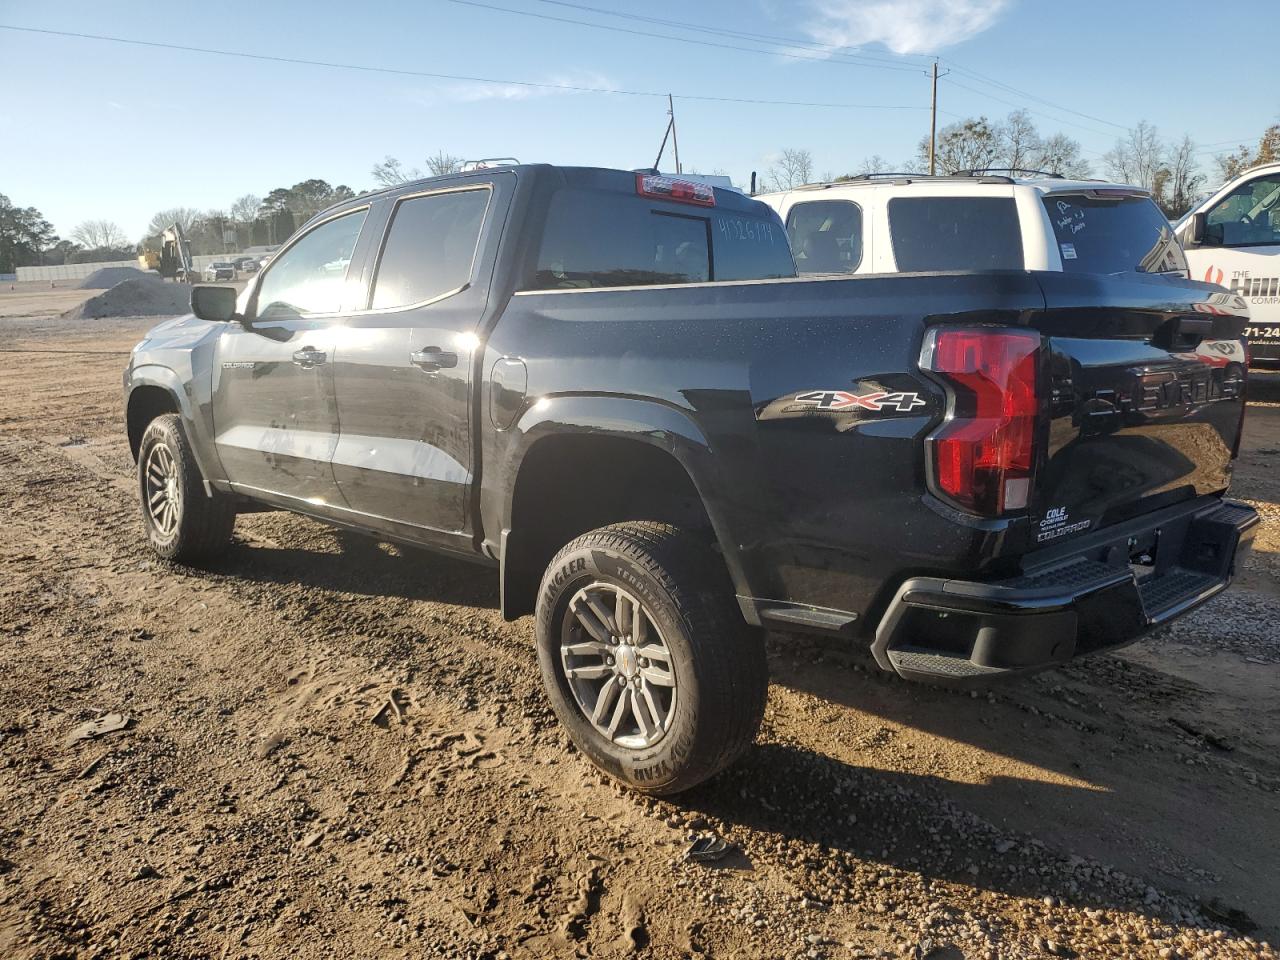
(596, 238)
(955, 233)
(1110, 235)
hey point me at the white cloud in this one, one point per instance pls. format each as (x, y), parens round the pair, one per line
(903, 26)
(556, 85)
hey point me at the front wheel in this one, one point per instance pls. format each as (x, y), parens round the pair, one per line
(182, 522)
(645, 657)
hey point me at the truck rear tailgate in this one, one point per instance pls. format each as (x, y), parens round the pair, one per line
(1145, 395)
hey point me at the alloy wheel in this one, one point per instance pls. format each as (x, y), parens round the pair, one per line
(161, 490)
(618, 666)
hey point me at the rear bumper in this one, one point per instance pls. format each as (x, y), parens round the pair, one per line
(1086, 602)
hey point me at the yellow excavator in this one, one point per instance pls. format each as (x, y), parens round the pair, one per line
(173, 261)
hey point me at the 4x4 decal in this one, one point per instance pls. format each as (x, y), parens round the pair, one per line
(876, 400)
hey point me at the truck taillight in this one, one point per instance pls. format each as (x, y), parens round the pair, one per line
(983, 456)
(671, 188)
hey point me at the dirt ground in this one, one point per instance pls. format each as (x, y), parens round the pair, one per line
(336, 748)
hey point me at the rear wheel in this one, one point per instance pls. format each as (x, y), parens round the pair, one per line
(645, 657)
(182, 522)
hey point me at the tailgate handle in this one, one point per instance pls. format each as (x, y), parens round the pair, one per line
(1181, 332)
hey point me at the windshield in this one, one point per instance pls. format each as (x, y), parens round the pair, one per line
(1110, 235)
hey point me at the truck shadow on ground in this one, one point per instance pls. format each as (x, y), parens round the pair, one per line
(843, 815)
(364, 566)
(1069, 756)
(1090, 760)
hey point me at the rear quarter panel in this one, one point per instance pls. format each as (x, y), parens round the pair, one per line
(819, 498)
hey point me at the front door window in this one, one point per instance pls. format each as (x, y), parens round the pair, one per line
(310, 277)
(1247, 217)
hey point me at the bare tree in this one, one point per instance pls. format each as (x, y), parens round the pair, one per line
(792, 169)
(94, 234)
(873, 164)
(245, 209)
(972, 144)
(1138, 158)
(1020, 143)
(1060, 154)
(186, 217)
(1184, 178)
(1169, 172)
(390, 172)
(443, 163)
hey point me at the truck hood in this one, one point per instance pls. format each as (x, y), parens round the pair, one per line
(178, 333)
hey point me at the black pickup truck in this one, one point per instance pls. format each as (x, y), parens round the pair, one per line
(612, 388)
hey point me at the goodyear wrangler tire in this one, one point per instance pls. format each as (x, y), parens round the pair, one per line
(645, 657)
(182, 522)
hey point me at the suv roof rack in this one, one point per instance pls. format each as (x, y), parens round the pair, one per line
(471, 165)
(866, 178)
(886, 175)
(1008, 171)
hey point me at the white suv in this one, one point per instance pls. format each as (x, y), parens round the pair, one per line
(899, 223)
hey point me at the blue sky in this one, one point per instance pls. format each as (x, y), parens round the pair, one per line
(99, 130)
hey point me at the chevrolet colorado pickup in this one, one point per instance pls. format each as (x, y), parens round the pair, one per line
(612, 388)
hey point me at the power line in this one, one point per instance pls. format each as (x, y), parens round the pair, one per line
(701, 43)
(981, 78)
(365, 68)
(835, 54)
(776, 39)
(1011, 103)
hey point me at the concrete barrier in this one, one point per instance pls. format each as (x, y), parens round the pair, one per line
(69, 271)
(78, 271)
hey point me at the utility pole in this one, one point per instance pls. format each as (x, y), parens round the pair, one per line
(669, 134)
(933, 123)
(675, 144)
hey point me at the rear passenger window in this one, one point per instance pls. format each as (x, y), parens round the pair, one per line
(430, 247)
(955, 233)
(596, 238)
(826, 236)
(749, 248)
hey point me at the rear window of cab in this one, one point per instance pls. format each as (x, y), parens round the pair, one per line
(601, 238)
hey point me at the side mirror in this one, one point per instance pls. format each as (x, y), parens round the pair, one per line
(1198, 228)
(215, 304)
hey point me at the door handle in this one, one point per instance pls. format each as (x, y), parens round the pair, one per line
(433, 358)
(309, 357)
